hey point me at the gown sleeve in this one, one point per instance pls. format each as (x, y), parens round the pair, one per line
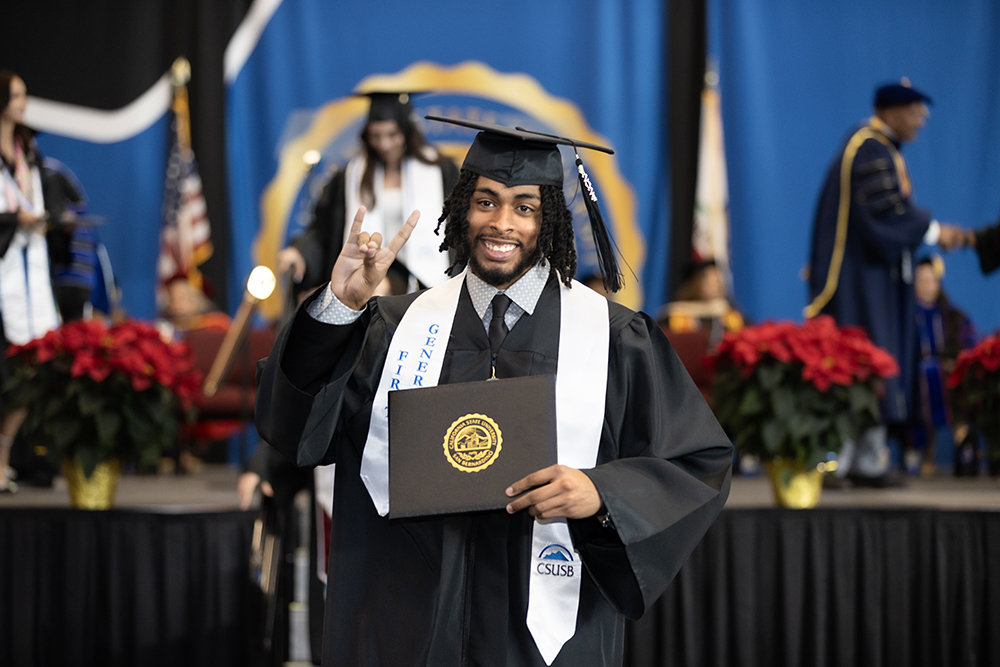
(888, 221)
(988, 248)
(303, 383)
(663, 471)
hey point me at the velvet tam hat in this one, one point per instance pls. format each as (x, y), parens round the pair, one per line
(899, 94)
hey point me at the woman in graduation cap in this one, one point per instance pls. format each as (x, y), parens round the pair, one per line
(396, 172)
(548, 576)
(27, 305)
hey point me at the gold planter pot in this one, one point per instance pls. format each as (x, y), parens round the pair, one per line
(96, 492)
(795, 486)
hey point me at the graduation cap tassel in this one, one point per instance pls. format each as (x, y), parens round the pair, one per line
(602, 239)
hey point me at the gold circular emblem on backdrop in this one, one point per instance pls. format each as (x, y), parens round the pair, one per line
(472, 443)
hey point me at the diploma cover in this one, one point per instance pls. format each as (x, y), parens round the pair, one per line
(457, 447)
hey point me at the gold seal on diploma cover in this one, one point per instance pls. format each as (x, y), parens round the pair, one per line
(472, 443)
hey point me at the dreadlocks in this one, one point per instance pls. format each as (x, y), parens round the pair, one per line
(555, 238)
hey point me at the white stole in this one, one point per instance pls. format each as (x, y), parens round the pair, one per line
(26, 299)
(423, 190)
(415, 357)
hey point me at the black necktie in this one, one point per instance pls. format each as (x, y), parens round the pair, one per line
(498, 325)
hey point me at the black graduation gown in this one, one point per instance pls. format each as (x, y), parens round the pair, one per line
(873, 290)
(453, 589)
(988, 248)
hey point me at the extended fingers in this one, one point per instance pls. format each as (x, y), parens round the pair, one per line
(359, 218)
(403, 235)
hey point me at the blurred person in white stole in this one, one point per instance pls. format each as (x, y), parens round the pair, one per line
(27, 304)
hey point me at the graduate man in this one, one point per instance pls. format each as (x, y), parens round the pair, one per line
(861, 269)
(644, 467)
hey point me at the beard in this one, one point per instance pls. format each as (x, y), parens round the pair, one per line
(500, 275)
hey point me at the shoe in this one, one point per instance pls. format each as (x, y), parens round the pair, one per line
(8, 486)
(890, 480)
(10, 474)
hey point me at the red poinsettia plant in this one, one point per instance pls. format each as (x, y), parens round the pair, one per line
(976, 381)
(797, 391)
(99, 393)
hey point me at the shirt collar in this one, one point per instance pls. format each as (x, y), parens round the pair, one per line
(525, 292)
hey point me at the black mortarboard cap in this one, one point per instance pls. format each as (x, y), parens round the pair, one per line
(899, 94)
(516, 156)
(390, 105)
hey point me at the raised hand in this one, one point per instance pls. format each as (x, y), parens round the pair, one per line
(363, 262)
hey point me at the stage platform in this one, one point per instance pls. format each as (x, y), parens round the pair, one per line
(895, 577)
(214, 490)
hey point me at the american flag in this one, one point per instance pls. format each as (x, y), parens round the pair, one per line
(185, 234)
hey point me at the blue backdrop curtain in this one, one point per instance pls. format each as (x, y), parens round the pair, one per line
(795, 76)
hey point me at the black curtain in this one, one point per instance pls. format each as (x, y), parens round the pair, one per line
(766, 587)
(686, 52)
(820, 588)
(105, 55)
(82, 588)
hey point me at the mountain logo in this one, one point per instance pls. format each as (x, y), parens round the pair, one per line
(556, 552)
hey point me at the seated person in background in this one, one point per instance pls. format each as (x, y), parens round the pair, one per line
(702, 303)
(189, 308)
(943, 331)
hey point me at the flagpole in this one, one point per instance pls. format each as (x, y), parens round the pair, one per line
(180, 75)
(185, 234)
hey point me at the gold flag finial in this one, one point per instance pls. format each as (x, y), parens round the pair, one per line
(905, 82)
(180, 72)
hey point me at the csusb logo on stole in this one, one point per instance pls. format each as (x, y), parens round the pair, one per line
(472, 443)
(555, 560)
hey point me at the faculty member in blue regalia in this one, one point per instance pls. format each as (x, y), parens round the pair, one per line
(861, 269)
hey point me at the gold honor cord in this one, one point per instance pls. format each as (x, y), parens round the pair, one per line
(905, 188)
(844, 209)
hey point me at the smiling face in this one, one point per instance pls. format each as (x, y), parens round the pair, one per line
(387, 140)
(14, 111)
(503, 231)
